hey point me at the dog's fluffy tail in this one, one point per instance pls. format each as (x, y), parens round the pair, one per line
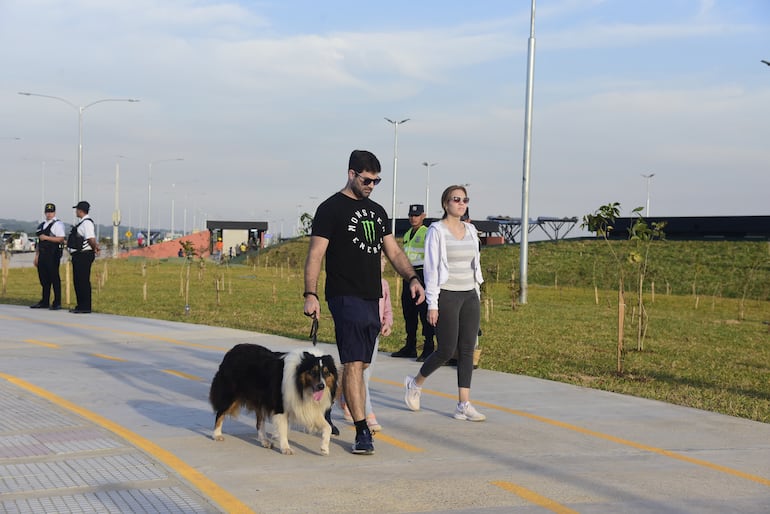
(220, 395)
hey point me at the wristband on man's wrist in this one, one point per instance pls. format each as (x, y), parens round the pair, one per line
(309, 293)
(412, 278)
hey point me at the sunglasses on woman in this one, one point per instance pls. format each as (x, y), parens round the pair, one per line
(460, 199)
(367, 181)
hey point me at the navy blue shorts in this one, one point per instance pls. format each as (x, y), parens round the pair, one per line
(356, 327)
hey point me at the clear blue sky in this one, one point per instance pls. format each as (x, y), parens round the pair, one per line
(265, 100)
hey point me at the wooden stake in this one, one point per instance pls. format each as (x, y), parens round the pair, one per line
(621, 321)
(6, 265)
(67, 280)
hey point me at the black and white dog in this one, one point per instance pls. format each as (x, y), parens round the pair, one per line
(295, 387)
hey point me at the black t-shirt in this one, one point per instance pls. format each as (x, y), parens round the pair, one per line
(355, 230)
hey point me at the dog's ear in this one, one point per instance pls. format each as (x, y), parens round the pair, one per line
(328, 361)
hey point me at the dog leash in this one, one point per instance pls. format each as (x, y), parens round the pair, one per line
(314, 330)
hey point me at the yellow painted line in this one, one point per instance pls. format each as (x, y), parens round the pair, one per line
(182, 374)
(535, 498)
(166, 339)
(108, 357)
(226, 500)
(379, 436)
(600, 435)
(535, 417)
(41, 343)
(398, 443)
(116, 331)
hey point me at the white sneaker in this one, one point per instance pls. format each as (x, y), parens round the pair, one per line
(412, 394)
(466, 411)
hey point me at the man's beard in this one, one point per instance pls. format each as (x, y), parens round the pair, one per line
(359, 191)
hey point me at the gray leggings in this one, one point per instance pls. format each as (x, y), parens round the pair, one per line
(456, 330)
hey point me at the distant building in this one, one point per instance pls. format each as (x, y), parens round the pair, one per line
(233, 233)
(703, 227)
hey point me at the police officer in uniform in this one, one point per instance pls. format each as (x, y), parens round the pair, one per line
(414, 248)
(83, 247)
(48, 254)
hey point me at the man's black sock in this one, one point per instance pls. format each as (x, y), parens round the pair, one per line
(361, 426)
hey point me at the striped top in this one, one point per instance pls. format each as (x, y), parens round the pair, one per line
(459, 255)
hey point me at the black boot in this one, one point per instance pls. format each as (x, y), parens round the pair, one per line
(409, 351)
(427, 349)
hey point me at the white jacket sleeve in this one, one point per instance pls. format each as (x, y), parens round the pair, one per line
(432, 265)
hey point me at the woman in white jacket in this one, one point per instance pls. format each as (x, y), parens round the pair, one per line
(452, 279)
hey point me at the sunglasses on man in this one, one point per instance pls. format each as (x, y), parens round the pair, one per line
(367, 181)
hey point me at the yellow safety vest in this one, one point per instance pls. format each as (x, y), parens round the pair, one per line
(414, 245)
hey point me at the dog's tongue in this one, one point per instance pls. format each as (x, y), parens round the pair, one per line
(317, 395)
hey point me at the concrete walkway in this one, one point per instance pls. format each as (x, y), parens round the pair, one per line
(103, 413)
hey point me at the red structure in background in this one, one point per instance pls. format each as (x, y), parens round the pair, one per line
(200, 241)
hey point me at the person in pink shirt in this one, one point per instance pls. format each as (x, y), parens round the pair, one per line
(386, 321)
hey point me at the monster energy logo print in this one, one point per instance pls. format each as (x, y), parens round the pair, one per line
(364, 226)
(368, 230)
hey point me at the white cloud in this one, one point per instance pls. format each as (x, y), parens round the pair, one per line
(265, 116)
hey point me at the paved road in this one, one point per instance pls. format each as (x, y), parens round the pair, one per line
(103, 413)
(20, 260)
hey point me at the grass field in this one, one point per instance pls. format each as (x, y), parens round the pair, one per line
(707, 344)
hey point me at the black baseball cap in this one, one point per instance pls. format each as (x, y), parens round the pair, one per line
(416, 209)
(49, 207)
(83, 206)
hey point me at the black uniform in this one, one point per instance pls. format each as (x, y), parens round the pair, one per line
(83, 256)
(49, 257)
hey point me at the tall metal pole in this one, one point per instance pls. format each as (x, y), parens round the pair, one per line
(42, 186)
(395, 169)
(43, 171)
(80, 110)
(149, 195)
(149, 203)
(184, 216)
(116, 215)
(428, 166)
(647, 208)
(173, 191)
(523, 256)
(80, 153)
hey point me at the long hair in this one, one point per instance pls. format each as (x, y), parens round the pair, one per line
(448, 194)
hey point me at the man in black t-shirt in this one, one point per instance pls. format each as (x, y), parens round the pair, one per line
(351, 231)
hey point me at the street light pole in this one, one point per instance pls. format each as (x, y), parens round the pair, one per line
(428, 166)
(173, 191)
(647, 209)
(149, 194)
(80, 110)
(42, 178)
(524, 247)
(116, 215)
(395, 168)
